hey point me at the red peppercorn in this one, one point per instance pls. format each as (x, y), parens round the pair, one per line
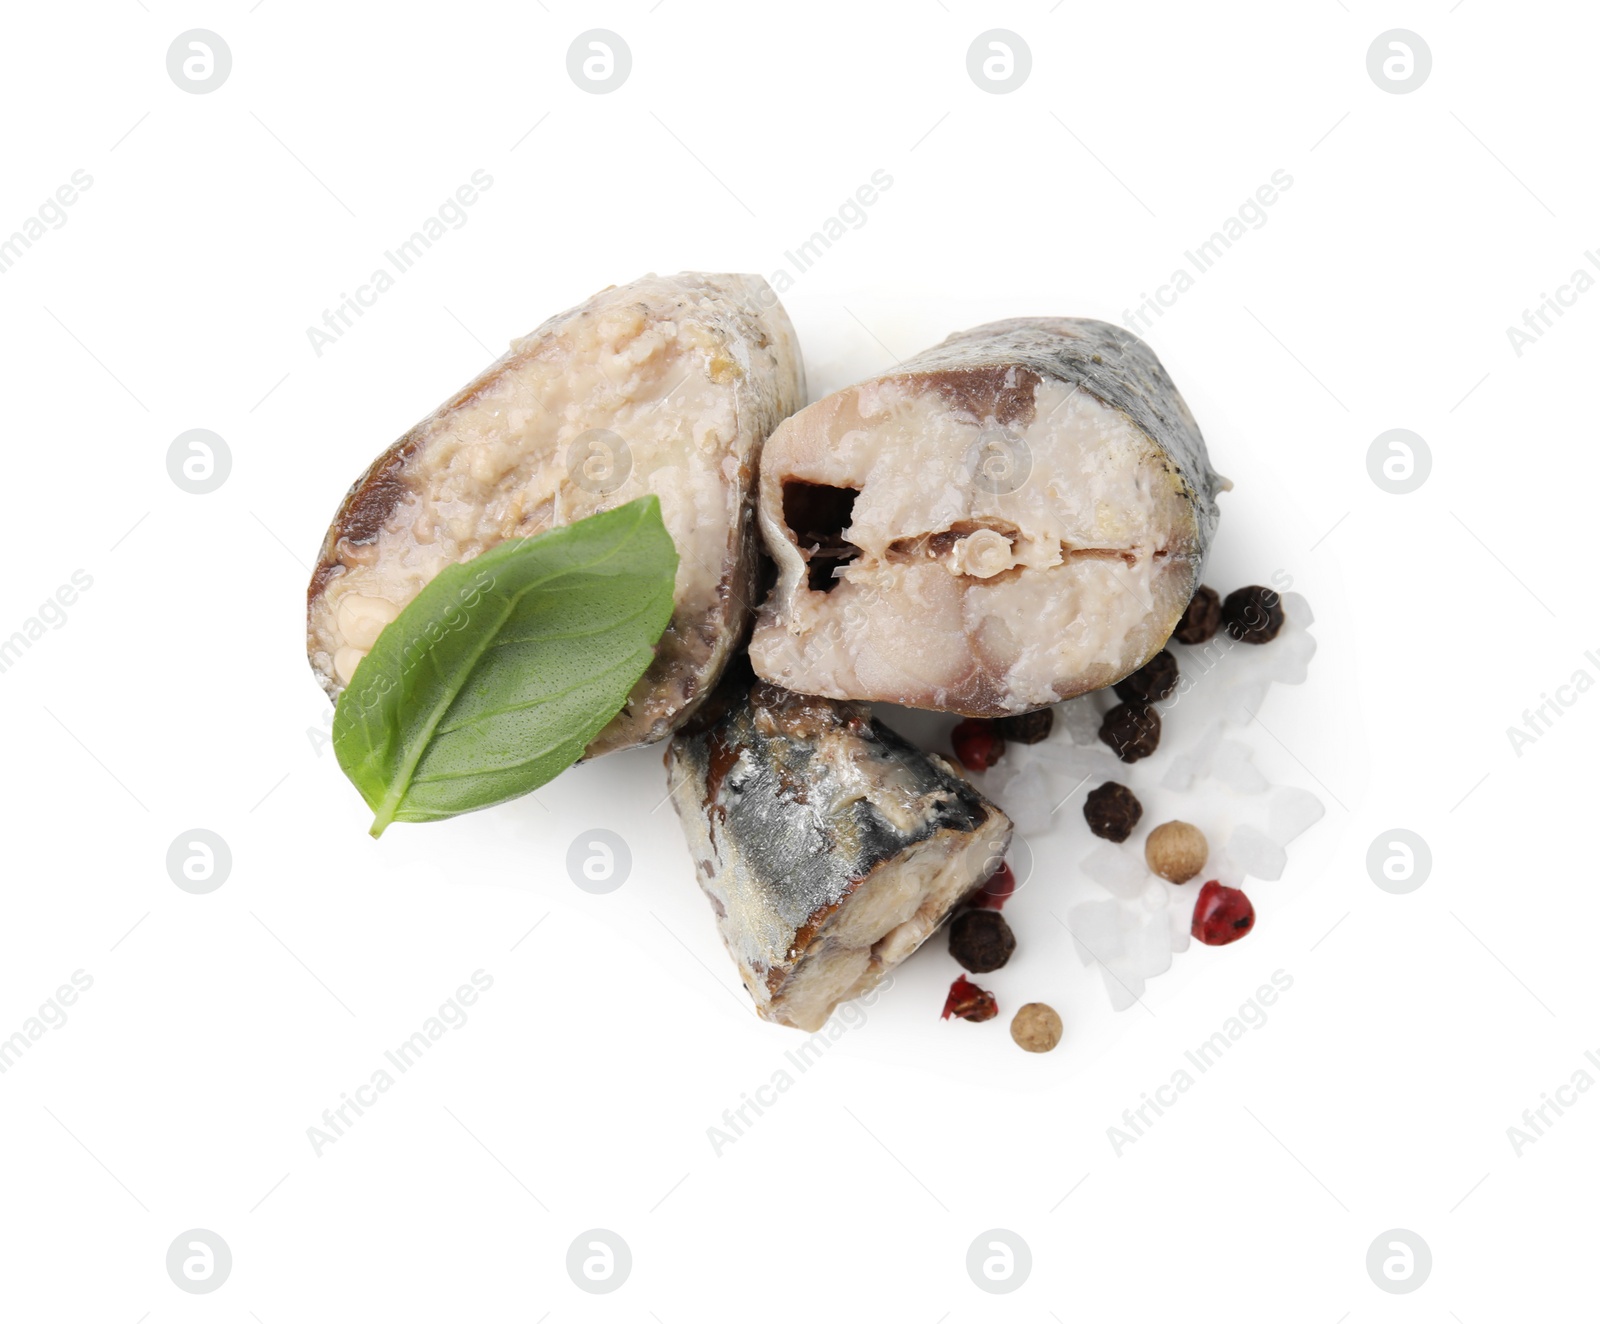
(997, 891)
(1222, 915)
(977, 743)
(969, 1002)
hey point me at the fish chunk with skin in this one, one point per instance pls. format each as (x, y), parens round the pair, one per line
(668, 385)
(1014, 517)
(828, 846)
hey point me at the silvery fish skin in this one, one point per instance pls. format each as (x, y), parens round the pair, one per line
(1014, 517)
(669, 385)
(829, 847)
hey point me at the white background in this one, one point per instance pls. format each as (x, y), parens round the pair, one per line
(177, 295)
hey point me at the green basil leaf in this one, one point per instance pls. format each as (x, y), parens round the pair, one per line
(503, 669)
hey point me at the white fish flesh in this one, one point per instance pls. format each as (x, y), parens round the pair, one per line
(1014, 517)
(668, 385)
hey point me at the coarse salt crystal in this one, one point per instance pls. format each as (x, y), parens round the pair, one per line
(1117, 869)
(1291, 811)
(1257, 853)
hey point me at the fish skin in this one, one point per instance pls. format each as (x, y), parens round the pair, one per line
(1140, 435)
(796, 809)
(1106, 361)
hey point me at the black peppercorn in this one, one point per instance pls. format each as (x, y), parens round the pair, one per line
(1112, 811)
(1253, 615)
(1028, 728)
(1200, 618)
(981, 940)
(1156, 679)
(1132, 730)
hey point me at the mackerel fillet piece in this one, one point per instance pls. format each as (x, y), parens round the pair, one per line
(669, 385)
(829, 847)
(1013, 517)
